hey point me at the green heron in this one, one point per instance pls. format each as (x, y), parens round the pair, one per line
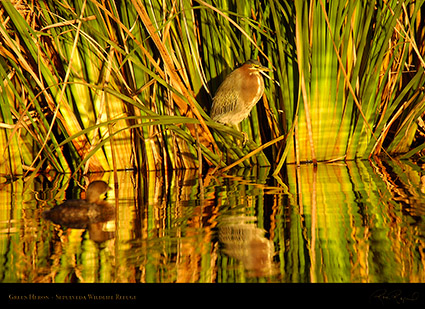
(239, 93)
(78, 214)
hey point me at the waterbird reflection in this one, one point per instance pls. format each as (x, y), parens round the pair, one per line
(244, 241)
(91, 213)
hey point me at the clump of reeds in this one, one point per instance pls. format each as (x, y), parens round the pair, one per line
(89, 85)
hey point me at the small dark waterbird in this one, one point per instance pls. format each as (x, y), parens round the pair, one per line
(239, 93)
(79, 214)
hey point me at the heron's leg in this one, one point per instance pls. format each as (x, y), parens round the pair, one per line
(245, 139)
(245, 135)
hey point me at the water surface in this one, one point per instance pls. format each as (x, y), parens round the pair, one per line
(355, 222)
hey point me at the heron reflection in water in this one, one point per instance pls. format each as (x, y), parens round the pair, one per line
(244, 241)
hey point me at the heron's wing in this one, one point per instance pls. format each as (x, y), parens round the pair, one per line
(224, 104)
(226, 98)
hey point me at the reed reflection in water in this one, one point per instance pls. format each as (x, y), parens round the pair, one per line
(354, 222)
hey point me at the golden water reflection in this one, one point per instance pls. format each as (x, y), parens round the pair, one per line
(354, 222)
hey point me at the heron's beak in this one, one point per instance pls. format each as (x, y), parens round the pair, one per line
(264, 69)
(262, 72)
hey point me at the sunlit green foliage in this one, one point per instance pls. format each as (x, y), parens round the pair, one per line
(99, 85)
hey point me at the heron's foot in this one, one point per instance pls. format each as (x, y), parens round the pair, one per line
(245, 139)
